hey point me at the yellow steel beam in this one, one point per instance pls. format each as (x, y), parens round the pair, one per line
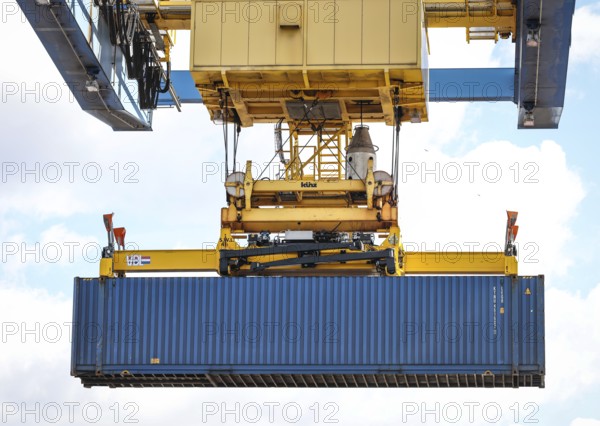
(164, 261)
(131, 261)
(106, 267)
(351, 185)
(408, 263)
(175, 23)
(177, 14)
(498, 22)
(167, 4)
(370, 180)
(342, 219)
(248, 184)
(432, 21)
(148, 261)
(386, 104)
(241, 108)
(308, 200)
(459, 263)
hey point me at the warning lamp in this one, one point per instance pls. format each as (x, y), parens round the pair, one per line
(415, 117)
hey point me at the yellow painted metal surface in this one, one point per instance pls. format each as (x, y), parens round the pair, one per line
(341, 219)
(459, 263)
(166, 261)
(265, 53)
(266, 60)
(496, 14)
(412, 263)
(322, 186)
(483, 19)
(260, 51)
(304, 32)
(106, 267)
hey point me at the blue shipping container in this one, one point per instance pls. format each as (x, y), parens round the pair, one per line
(421, 331)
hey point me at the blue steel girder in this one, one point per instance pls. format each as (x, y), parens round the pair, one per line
(58, 25)
(471, 84)
(541, 60)
(445, 85)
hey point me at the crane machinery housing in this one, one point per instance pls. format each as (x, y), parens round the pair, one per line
(315, 287)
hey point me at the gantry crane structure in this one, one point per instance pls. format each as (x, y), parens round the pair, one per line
(314, 68)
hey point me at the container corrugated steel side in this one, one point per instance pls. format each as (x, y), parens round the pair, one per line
(310, 331)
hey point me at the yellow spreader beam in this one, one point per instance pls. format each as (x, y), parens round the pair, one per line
(412, 263)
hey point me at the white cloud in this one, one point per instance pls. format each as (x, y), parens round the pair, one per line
(572, 339)
(461, 198)
(62, 246)
(449, 49)
(584, 422)
(586, 35)
(12, 267)
(42, 201)
(54, 247)
(445, 125)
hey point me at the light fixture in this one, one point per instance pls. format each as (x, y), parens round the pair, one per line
(43, 2)
(528, 119)
(533, 33)
(92, 85)
(218, 117)
(415, 117)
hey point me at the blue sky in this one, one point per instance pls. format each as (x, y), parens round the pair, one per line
(172, 202)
